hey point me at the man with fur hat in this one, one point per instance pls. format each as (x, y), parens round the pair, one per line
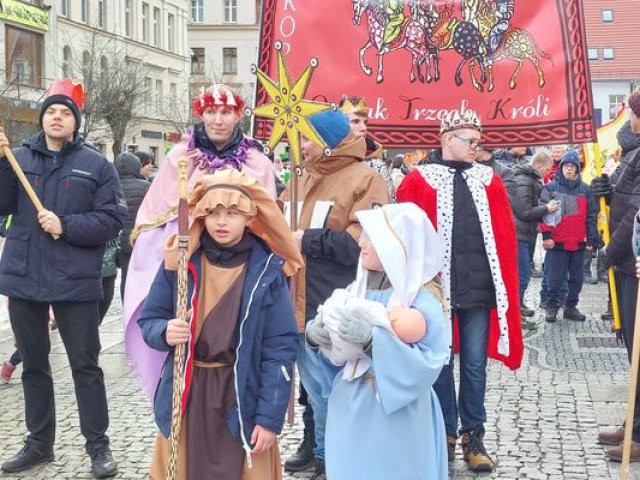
(566, 233)
(332, 189)
(215, 143)
(468, 203)
(53, 257)
(625, 202)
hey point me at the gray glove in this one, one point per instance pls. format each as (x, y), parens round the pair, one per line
(317, 335)
(355, 329)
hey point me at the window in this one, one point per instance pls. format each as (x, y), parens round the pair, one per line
(173, 91)
(197, 60)
(86, 67)
(24, 56)
(104, 71)
(84, 11)
(67, 62)
(615, 105)
(156, 27)
(147, 94)
(64, 8)
(170, 20)
(128, 19)
(197, 11)
(145, 22)
(592, 53)
(607, 16)
(230, 60)
(607, 53)
(230, 11)
(159, 95)
(102, 18)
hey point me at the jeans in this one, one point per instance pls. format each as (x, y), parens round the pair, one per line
(123, 262)
(108, 286)
(78, 327)
(544, 289)
(473, 328)
(561, 263)
(524, 267)
(627, 289)
(311, 379)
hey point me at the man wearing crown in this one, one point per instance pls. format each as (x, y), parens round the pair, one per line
(469, 205)
(53, 257)
(215, 143)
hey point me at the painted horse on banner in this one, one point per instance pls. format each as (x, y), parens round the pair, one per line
(411, 34)
(515, 43)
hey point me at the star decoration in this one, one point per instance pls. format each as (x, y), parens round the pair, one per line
(288, 108)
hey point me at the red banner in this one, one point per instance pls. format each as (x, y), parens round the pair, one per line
(520, 64)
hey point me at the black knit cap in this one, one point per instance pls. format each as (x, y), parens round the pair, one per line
(64, 100)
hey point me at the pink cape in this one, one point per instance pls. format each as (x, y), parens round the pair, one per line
(156, 221)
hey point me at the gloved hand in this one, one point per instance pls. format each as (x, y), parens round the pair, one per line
(355, 329)
(601, 186)
(604, 258)
(317, 335)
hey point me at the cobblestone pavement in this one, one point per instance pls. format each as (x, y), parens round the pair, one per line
(542, 420)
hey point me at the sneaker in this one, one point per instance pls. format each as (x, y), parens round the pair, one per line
(572, 313)
(304, 457)
(475, 454)
(320, 473)
(550, 314)
(590, 280)
(102, 463)
(6, 372)
(526, 311)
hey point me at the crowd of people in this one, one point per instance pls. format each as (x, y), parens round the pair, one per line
(395, 268)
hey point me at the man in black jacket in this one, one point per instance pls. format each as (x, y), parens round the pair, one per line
(84, 209)
(134, 188)
(527, 212)
(625, 202)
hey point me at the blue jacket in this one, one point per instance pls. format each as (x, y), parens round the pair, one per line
(82, 188)
(267, 343)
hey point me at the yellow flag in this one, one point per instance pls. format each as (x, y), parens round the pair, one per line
(608, 143)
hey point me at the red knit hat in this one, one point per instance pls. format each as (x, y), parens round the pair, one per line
(634, 104)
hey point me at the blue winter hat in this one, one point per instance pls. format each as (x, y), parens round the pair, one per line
(571, 157)
(332, 126)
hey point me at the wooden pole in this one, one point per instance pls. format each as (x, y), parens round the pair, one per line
(24, 181)
(631, 397)
(293, 221)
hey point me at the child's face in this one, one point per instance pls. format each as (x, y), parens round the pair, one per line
(569, 171)
(368, 254)
(226, 225)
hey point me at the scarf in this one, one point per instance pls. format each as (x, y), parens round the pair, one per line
(226, 256)
(233, 154)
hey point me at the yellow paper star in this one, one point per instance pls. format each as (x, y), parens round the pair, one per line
(288, 108)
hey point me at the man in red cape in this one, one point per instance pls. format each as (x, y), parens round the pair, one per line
(468, 203)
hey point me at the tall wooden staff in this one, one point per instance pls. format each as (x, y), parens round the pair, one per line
(635, 361)
(289, 111)
(24, 181)
(181, 313)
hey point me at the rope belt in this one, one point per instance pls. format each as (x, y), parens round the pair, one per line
(206, 364)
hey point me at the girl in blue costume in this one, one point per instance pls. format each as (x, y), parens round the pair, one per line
(384, 420)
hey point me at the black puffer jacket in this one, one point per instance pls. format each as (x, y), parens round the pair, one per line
(506, 175)
(134, 187)
(471, 280)
(630, 143)
(526, 209)
(82, 188)
(625, 203)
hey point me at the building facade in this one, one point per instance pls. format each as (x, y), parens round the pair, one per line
(85, 39)
(223, 38)
(612, 42)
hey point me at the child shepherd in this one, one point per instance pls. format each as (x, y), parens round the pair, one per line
(384, 419)
(242, 338)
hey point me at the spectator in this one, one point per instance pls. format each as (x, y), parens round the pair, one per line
(487, 156)
(146, 164)
(510, 157)
(566, 233)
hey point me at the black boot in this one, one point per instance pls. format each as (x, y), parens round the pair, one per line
(320, 473)
(572, 313)
(304, 457)
(102, 463)
(26, 458)
(526, 311)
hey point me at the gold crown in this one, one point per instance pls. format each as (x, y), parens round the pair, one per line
(353, 105)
